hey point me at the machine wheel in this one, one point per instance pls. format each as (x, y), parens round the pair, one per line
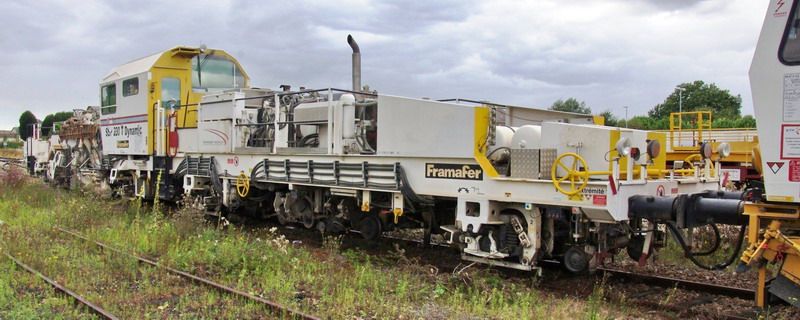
(283, 217)
(370, 227)
(635, 247)
(308, 219)
(575, 260)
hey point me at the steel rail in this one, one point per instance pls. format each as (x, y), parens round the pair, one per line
(660, 281)
(272, 305)
(93, 307)
(702, 314)
(656, 280)
(715, 289)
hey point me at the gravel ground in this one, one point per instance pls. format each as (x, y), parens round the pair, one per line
(652, 302)
(725, 277)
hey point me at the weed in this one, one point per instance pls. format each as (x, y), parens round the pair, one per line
(328, 282)
(332, 244)
(596, 300)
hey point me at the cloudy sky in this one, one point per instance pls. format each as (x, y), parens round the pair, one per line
(608, 53)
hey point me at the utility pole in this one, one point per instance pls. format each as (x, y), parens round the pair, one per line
(680, 98)
(626, 116)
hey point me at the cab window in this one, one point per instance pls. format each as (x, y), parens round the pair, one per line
(171, 93)
(130, 87)
(215, 73)
(108, 99)
(790, 46)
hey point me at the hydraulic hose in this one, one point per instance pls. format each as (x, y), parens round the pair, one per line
(717, 241)
(409, 192)
(681, 241)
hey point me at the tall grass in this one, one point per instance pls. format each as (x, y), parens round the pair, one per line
(326, 281)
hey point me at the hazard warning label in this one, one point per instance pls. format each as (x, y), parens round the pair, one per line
(599, 200)
(774, 166)
(794, 170)
(790, 141)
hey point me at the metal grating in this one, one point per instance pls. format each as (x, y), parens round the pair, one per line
(532, 163)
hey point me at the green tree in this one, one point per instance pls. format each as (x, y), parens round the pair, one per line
(25, 120)
(50, 119)
(747, 121)
(570, 105)
(610, 118)
(723, 123)
(642, 123)
(697, 96)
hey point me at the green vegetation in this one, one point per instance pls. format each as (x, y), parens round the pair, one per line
(25, 120)
(324, 281)
(725, 108)
(570, 105)
(5, 144)
(51, 119)
(700, 96)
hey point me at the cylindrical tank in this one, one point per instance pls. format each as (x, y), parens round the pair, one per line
(348, 116)
(503, 136)
(527, 137)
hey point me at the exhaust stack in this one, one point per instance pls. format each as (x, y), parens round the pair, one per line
(356, 63)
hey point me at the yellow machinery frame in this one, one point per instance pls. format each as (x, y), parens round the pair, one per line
(772, 244)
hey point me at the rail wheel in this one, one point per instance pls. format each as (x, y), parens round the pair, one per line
(578, 179)
(576, 260)
(371, 227)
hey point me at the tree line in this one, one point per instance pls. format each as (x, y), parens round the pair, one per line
(725, 109)
(49, 123)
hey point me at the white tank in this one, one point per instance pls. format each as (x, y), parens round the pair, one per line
(348, 116)
(502, 139)
(527, 137)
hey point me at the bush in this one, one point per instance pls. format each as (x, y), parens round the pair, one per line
(12, 178)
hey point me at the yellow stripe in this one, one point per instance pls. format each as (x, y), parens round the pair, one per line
(481, 133)
(613, 138)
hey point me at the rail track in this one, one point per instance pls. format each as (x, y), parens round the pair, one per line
(277, 308)
(78, 299)
(650, 279)
(670, 282)
(667, 283)
(6, 162)
(653, 280)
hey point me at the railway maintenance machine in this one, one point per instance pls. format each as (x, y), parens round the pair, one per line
(774, 217)
(186, 123)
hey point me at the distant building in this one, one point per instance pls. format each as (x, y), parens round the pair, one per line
(9, 135)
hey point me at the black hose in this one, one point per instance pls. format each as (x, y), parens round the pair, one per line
(408, 192)
(254, 176)
(182, 168)
(309, 137)
(215, 183)
(495, 150)
(676, 232)
(717, 241)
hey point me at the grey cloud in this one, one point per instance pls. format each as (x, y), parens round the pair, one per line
(56, 53)
(673, 4)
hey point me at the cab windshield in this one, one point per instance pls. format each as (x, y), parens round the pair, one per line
(215, 73)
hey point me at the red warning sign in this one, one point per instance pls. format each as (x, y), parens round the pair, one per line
(794, 170)
(599, 199)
